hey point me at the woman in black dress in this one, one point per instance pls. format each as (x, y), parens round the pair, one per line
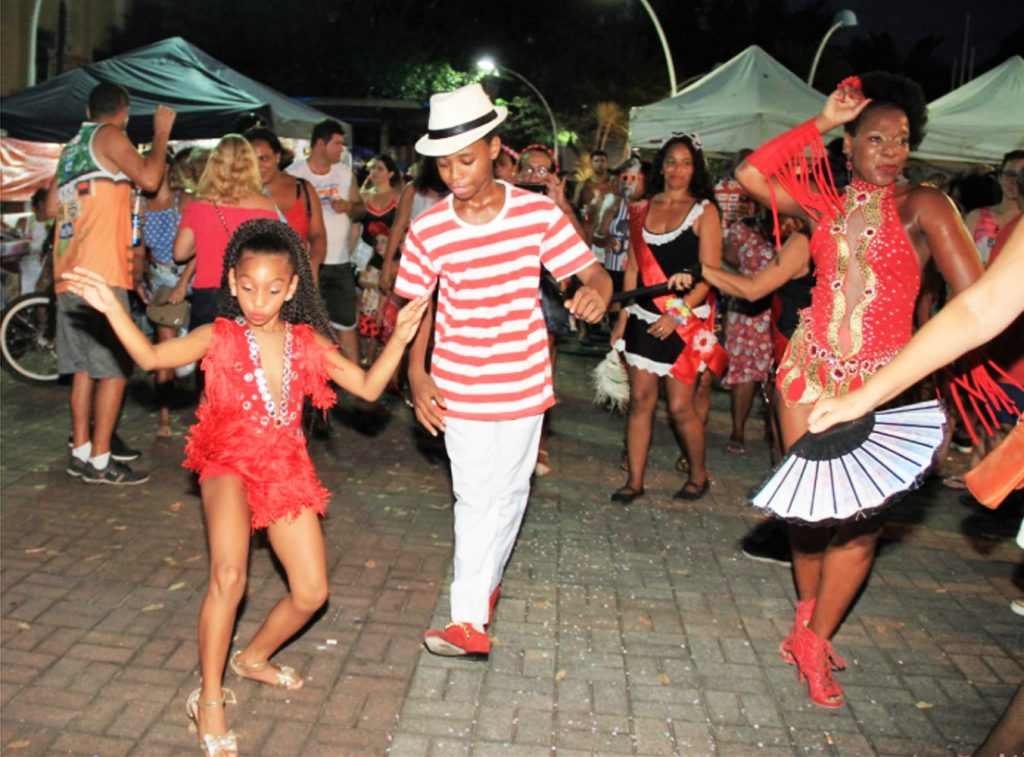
(670, 337)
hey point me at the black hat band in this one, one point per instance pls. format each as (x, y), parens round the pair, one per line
(454, 131)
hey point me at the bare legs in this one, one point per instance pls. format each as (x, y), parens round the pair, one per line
(98, 401)
(349, 341)
(300, 547)
(828, 567)
(164, 382)
(683, 409)
(741, 399)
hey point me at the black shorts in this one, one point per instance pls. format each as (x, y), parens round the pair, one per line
(338, 290)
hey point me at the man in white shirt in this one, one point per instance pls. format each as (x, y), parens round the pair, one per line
(342, 204)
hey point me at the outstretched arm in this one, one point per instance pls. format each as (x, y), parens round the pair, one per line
(972, 318)
(370, 384)
(173, 353)
(792, 262)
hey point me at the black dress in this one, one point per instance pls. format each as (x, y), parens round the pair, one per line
(674, 250)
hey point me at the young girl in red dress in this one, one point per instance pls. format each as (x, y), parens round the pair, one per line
(264, 354)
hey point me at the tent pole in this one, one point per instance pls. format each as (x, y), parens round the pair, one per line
(33, 34)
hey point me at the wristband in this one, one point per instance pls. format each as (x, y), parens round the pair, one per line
(676, 307)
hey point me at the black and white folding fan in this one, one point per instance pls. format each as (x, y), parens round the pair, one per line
(854, 468)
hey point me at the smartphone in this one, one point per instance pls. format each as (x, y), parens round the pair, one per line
(538, 188)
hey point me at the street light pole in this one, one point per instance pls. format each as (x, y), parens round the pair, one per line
(841, 19)
(664, 47)
(488, 65)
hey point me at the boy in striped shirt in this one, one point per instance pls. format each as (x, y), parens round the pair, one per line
(490, 378)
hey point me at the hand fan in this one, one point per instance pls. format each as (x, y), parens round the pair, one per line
(854, 469)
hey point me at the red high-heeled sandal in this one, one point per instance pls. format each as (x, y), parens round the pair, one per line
(813, 657)
(804, 611)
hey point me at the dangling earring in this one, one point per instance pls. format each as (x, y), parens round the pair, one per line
(849, 164)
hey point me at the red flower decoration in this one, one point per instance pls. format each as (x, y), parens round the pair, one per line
(852, 82)
(378, 229)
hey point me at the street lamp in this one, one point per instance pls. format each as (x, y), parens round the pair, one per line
(664, 47)
(841, 19)
(487, 65)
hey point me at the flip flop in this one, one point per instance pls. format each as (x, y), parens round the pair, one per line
(736, 448)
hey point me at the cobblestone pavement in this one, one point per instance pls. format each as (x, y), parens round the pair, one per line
(621, 630)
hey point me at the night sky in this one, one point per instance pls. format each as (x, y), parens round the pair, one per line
(910, 20)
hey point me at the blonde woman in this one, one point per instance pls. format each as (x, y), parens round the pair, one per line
(229, 193)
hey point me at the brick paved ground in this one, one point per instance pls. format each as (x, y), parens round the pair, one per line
(636, 630)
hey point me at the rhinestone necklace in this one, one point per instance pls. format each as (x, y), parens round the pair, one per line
(279, 415)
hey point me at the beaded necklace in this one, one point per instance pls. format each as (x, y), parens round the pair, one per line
(279, 415)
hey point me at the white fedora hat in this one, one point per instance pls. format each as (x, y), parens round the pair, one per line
(458, 119)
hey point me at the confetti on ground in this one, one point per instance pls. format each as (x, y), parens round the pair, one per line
(153, 607)
(176, 586)
(924, 705)
(560, 675)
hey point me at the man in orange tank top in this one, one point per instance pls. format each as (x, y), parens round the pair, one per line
(91, 199)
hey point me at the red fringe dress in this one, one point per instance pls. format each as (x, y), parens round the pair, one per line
(839, 343)
(236, 436)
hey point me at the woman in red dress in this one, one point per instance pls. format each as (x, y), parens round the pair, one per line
(868, 246)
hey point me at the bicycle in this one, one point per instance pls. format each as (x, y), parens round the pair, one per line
(28, 341)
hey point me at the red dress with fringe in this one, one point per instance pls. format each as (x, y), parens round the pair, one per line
(235, 436)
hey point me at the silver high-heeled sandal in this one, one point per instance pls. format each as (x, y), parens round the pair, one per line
(286, 677)
(213, 746)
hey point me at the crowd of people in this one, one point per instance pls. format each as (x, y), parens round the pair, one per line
(301, 272)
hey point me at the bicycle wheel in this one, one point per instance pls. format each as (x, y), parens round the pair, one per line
(28, 339)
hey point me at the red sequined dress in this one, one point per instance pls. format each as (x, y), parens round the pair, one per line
(237, 434)
(862, 306)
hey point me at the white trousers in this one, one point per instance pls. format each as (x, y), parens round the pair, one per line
(492, 462)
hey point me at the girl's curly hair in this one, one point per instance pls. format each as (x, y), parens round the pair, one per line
(888, 90)
(265, 237)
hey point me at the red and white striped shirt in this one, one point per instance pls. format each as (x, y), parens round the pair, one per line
(490, 359)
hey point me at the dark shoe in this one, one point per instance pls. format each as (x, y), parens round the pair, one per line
(626, 494)
(75, 467)
(119, 449)
(457, 640)
(768, 543)
(115, 474)
(692, 490)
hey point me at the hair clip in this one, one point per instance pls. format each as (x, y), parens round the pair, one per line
(693, 136)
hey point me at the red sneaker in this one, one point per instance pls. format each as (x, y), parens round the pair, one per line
(457, 640)
(491, 603)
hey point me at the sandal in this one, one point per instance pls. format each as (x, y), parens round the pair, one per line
(164, 432)
(735, 447)
(626, 494)
(285, 677)
(813, 657)
(692, 490)
(804, 611)
(213, 746)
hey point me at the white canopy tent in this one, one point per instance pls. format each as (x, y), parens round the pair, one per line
(980, 121)
(742, 103)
